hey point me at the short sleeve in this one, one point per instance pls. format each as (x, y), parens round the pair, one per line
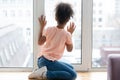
(69, 38)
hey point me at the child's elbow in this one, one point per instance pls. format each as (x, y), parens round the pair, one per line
(39, 43)
(69, 48)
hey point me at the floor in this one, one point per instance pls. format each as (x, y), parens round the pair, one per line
(92, 76)
(81, 76)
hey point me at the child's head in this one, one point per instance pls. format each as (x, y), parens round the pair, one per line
(63, 13)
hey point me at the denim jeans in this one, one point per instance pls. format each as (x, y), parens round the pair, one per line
(57, 70)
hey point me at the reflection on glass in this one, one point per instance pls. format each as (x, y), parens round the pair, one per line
(75, 55)
(16, 33)
(106, 31)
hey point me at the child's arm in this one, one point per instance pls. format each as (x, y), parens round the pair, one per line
(70, 29)
(42, 38)
(69, 47)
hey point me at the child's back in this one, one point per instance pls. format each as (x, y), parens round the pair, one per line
(56, 40)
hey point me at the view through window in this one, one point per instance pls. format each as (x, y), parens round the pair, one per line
(106, 30)
(16, 33)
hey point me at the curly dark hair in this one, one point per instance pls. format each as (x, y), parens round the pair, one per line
(63, 12)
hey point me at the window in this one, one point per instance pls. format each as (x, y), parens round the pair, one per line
(16, 33)
(97, 33)
(106, 36)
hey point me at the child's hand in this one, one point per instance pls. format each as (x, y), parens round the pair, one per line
(42, 21)
(71, 28)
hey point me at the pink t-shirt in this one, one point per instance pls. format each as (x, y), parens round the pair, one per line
(54, 46)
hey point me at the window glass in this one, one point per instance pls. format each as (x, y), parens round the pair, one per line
(106, 31)
(16, 33)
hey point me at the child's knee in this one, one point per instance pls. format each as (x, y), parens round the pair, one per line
(73, 75)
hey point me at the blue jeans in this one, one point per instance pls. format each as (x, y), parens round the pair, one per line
(57, 70)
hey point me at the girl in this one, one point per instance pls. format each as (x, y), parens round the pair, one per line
(54, 40)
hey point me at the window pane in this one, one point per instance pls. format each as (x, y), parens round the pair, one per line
(75, 55)
(16, 33)
(106, 31)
